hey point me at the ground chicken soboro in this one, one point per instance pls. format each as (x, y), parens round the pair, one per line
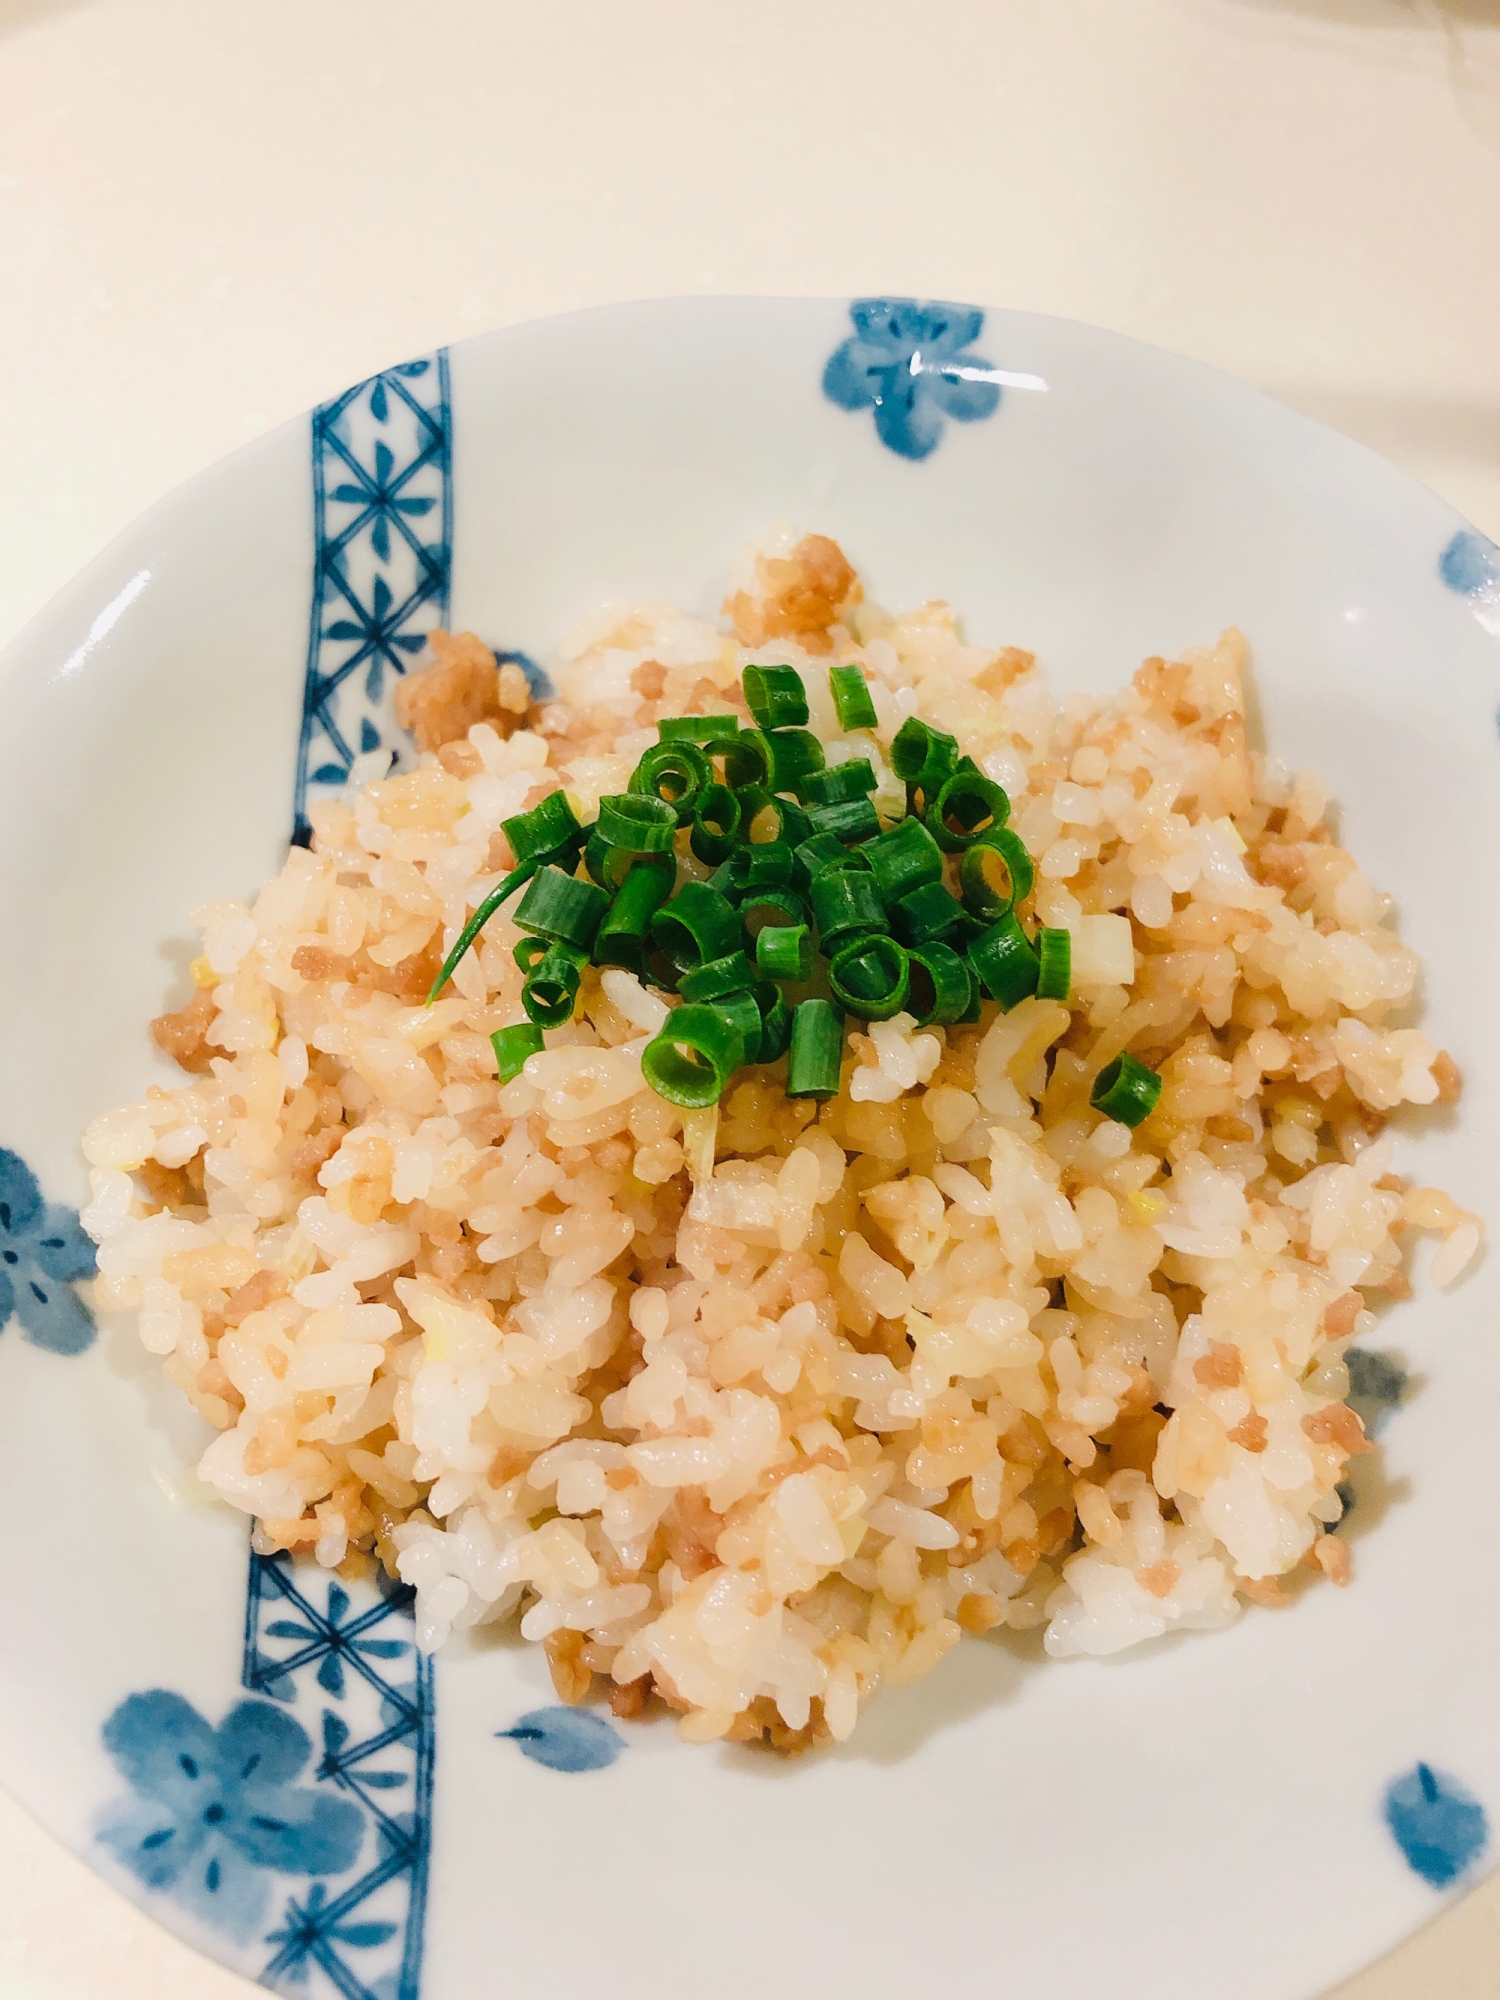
(751, 1417)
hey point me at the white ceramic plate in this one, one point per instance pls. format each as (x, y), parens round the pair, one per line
(1253, 1813)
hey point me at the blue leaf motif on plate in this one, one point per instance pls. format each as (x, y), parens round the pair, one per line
(1437, 1823)
(43, 1251)
(214, 1812)
(566, 1739)
(1470, 565)
(912, 361)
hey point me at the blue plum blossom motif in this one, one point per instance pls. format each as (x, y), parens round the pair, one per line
(216, 1811)
(911, 360)
(1437, 1823)
(566, 1739)
(43, 1250)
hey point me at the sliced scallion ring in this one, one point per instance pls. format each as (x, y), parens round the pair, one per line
(903, 858)
(563, 907)
(817, 1048)
(775, 1021)
(696, 926)
(1054, 953)
(942, 986)
(796, 756)
(851, 820)
(692, 1059)
(638, 822)
(621, 937)
(716, 824)
(845, 900)
(1004, 963)
(513, 1045)
(870, 976)
(784, 951)
(731, 974)
(697, 728)
(1126, 1091)
(775, 695)
(851, 698)
(551, 990)
(996, 873)
(967, 806)
(676, 771)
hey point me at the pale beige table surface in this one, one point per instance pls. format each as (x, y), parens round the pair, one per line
(214, 213)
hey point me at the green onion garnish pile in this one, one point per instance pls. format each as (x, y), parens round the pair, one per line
(816, 909)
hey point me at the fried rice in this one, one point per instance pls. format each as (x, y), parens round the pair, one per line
(754, 1410)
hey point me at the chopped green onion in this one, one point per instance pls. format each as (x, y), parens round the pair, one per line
(696, 926)
(530, 951)
(563, 907)
(779, 907)
(610, 866)
(775, 695)
(716, 823)
(967, 807)
(513, 1045)
(547, 833)
(764, 819)
(674, 771)
(996, 873)
(845, 900)
(851, 698)
(1004, 962)
(927, 912)
(693, 1057)
(697, 728)
(903, 858)
(775, 1021)
(636, 822)
(796, 756)
(502, 893)
(1125, 1090)
(731, 974)
(923, 756)
(621, 937)
(766, 865)
(551, 990)
(942, 986)
(870, 975)
(742, 1012)
(817, 1049)
(748, 758)
(824, 850)
(784, 951)
(851, 820)
(853, 779)
(1054, 953)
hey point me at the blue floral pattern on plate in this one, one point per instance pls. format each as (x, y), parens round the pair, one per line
(1437, 1823)
(215, 1811)
(43, 1252)
(382, 459)
(566, 1739)
(356, 1661)
(1470, 565)
(911, 360)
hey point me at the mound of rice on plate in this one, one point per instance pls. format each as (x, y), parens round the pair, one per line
(756, 1409)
